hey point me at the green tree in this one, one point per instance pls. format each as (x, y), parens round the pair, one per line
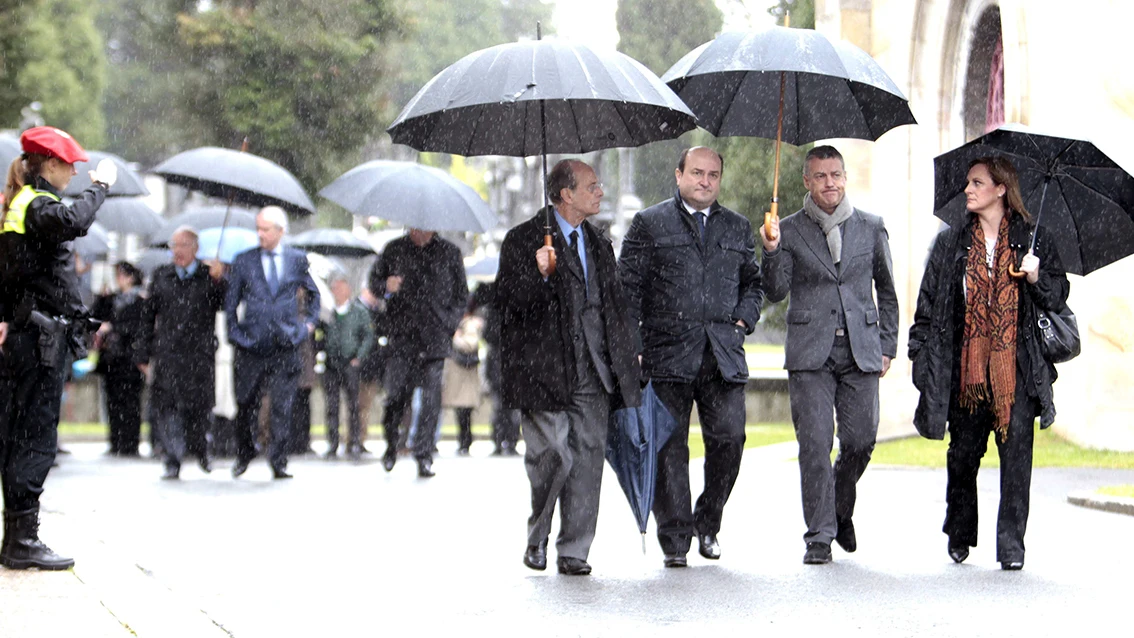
(52, 54)
(658, 33)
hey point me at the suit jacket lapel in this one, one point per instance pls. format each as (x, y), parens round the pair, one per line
(816, 241)
(852, 236)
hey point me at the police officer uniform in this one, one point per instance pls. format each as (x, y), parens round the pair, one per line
(39, 300)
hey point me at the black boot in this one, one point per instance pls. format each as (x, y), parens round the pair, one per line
(22, 548)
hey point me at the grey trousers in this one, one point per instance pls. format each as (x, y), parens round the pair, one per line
(837, 391)
(564, 455)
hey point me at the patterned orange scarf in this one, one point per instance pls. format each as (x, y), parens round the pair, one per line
(988, 354)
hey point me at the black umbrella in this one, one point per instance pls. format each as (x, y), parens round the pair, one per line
(129, 183)
(239, 176)
(202, 218)
(791, 85)
(418, 196)
(633, 440)
(1078, 193)
(334, 242)
(128, 215)
(539, 97)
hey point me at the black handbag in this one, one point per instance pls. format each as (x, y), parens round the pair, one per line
(1058, 334)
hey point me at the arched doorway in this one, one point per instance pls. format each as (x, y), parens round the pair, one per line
(983, 98)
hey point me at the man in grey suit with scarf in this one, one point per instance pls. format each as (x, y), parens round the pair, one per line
(567, 349)
(842, 333)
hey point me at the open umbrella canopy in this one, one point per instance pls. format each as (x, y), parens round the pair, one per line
(633, 439)
(504, 99)
(152, 258)
(225, 243)
(128, 215)
(831, 87)
(96, 243)
(336, 242)
(9, 150)
(202, 218)
(129, 183)
(246, 178)
(483, 269)
(1073, 189)
(418, 196)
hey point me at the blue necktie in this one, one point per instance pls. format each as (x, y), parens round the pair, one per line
(701, 224)
(273, 275)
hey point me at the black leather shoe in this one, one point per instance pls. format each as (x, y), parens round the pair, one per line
(958, 551)
(709, 547)
(573, 566)
(240, 467)
(535, 556)
(331, 455)
(817, 554)
(388, 461)
(1011, 565)
(425, 469)
(171, 473)
(280, 473)
(845, 536)
(205, 465)
(675, 560)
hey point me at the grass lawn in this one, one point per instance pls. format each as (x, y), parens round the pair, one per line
(1050, 451)
(1125, 491)
(755, 436)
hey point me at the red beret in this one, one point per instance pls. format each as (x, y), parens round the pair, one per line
(52, 142)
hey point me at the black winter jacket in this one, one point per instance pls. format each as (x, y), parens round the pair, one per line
(938, 326)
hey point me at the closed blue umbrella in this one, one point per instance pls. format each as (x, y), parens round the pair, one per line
(633, 440)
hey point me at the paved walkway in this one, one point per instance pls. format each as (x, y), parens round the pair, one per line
(348, 550)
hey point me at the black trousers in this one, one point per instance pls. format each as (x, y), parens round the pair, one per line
(30, 392)
(838, 391)
(464, 427)
(720, 405)
(123, 385)
(181, 429)
(338, 380)
(277, 373)
(402, 376)
(968, 441)
(299, 439)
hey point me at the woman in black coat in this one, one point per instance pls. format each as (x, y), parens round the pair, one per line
(119, 358)
(976, 358)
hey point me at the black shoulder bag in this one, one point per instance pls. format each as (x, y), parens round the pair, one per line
(1058, 334)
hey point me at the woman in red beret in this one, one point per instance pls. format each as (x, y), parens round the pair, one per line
(40, 322)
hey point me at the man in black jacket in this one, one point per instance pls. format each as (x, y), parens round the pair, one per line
(690, 272)
(179, 341)
(422, 278)
(567, 346)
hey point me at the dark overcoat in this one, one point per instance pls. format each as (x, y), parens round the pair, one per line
(537, 369)
(938, 327)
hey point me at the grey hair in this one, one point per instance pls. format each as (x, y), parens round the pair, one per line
(275, 215)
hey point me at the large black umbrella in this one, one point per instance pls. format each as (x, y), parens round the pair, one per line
(539, 97)
(239, 176)
(418, 196)
(202, 218)
(791, 85)
(1078, 193)
(128, 215)
(129, 183)
(633, 440)
(333, 242)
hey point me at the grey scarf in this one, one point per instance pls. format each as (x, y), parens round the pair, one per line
(829, 224)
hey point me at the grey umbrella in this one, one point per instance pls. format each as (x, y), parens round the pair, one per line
(202, 218)
(95, 243)
(540, 97)
(242, 177)
(129, 182)
(790, 85)
(9, 150)
(152, 258)
(333, 242)
(128, 215)
(418, 196)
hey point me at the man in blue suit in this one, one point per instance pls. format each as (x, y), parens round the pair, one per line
(268, 281)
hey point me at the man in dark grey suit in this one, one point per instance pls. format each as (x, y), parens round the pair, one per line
(835, 261)
(567, 348)
(690, 272)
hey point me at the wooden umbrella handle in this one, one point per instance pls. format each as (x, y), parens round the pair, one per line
(550, 256)
(768, 217)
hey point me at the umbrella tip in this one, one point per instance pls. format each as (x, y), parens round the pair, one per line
(538, 30)
(643, 543)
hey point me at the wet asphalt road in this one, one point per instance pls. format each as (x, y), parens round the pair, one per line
(348, 550)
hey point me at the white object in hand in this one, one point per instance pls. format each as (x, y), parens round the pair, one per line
(106, 172)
